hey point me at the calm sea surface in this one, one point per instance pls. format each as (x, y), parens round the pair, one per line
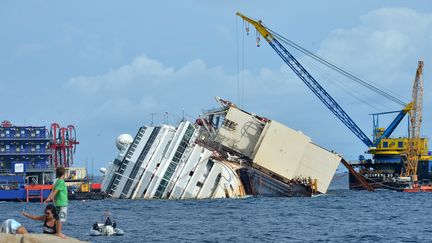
(339, 216)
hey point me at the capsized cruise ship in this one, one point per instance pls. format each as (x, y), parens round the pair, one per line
(226, 153)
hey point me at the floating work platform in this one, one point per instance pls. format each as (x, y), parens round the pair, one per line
(227, 152)
(387, 175)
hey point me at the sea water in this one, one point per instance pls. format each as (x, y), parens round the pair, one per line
(339, 216)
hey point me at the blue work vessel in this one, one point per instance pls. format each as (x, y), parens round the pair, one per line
(25, 165)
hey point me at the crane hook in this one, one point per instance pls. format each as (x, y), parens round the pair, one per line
(247, 28)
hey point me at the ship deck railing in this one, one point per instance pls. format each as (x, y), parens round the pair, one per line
(25, 153)
(36, 191)
(24, 138)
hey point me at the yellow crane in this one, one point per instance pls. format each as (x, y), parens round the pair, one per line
(402, 158)
(412, 150)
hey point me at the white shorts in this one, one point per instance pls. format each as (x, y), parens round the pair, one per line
(9, 226)
(62, 213)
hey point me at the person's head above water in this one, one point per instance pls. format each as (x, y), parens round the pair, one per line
(51, 212)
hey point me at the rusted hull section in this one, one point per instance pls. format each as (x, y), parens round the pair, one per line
(257, 183)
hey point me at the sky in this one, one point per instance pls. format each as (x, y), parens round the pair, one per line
(106, 66)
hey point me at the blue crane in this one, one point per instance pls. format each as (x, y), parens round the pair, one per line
(319, 91)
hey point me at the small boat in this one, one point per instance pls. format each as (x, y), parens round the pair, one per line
(416, 187)
(105, 230)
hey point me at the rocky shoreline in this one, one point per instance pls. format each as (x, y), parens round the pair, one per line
(35, 238)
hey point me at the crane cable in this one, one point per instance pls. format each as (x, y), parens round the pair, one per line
(325, 76)
(240, 60)
(336, 68)
(238, 63)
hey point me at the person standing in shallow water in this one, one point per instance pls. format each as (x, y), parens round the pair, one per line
(59, 194)
(52, 224)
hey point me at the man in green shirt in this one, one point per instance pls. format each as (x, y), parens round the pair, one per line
(60, 194)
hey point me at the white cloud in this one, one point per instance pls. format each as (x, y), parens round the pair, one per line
(150, 73)
(145, 69)
(384, 47)
(120, 108)
(191, 86)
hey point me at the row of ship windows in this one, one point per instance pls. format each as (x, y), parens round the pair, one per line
(23, 158)
(174, 162)
(385, 144)
(138, 163)
(7, 147)
(31, 161)
(22, 132)
(171, 168)
(22, 143)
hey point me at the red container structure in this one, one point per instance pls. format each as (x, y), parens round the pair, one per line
(63, 145)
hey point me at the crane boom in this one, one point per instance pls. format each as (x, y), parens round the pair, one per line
(417, 99)
(412, 148)
(309, 80)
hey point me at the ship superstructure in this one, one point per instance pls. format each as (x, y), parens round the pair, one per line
(165, 162)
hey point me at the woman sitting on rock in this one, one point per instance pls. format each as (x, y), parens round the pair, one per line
(52, 224)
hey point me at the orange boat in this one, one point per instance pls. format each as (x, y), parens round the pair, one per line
(419, 188)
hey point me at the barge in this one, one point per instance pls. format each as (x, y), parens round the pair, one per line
(29, 156)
